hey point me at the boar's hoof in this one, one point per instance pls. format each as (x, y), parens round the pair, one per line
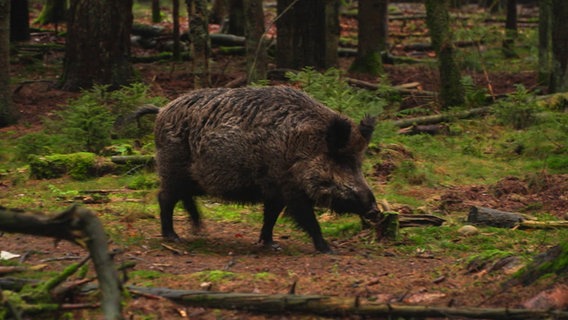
(172, 237)
(271, 245)
(324, 248)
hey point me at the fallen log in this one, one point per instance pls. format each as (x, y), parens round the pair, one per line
(503, 219)
(80, 226)
(431, 129)
(419, 220)
(134, 160)
(433, 119)
(493, 218)
(334, 306)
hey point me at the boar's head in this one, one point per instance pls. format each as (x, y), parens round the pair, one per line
(333, 176)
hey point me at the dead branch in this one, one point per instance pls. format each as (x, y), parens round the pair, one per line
(335, 306)
(445, 117)
(80, 226)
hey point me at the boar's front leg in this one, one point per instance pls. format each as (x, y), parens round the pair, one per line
(302, 210)
(272, 209)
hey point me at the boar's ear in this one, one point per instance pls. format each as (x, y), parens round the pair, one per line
(367, 126)
(338, 133)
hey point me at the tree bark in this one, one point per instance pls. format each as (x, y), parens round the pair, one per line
(98, 45)
(544, 40)
(53, 11)
(559, 77)
(371, 37)
(156, 12)
(510, 30)
(82, 227)
(8, 114)
(308, 33)
(255, 44)
(175, 17)
(19, 21)
(236, 17)
(438, 21)
(199, 42)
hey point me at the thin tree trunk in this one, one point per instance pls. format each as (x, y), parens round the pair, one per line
(544, 40)
(8, 114)
(371, 36)
(19, 21)
(236, 17)
(559, 77)
(510, 30)
(255, 44)
(199, 40)
(156, 13)
(175, 17)
(438, 20)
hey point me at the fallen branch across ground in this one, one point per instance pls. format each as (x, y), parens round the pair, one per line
(335, 306)
(82, 227)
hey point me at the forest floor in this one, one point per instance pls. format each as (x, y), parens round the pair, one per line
(378, 272)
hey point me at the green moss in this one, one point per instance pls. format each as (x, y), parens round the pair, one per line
(370, 64)
(80, 166)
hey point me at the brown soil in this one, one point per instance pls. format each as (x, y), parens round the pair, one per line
(378, 271)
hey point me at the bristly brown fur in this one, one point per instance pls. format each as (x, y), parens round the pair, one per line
(274, 145)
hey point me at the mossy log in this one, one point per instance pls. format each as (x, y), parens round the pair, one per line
(84, 165)
(80, 226)
(334, 306)
(79, 166)
(552, 262)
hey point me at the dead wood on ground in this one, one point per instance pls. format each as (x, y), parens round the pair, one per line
(80, 226)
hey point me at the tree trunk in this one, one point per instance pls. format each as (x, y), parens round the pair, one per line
(175, 17)
(510, 30)
(52, 12)
(236, 17)
(438, 20)
(559, 76)
(218, 11)
(8, 114)
(371, 37)
(98, 45)
(199, 40)
(255, 44)
(156, 13)
(19, 21)
(544, 40)
(308, 33)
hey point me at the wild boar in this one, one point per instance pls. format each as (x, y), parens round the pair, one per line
(270, 145)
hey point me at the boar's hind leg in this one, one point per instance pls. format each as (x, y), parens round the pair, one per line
(272, 209)
(305, 217)
(167, 201)
(191, 208)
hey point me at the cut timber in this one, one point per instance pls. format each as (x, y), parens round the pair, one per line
(494, 218)
(335, 306)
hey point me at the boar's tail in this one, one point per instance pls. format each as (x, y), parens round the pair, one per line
(136, 115)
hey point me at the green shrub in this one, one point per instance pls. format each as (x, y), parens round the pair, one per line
(332, 89)
(518, 109)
